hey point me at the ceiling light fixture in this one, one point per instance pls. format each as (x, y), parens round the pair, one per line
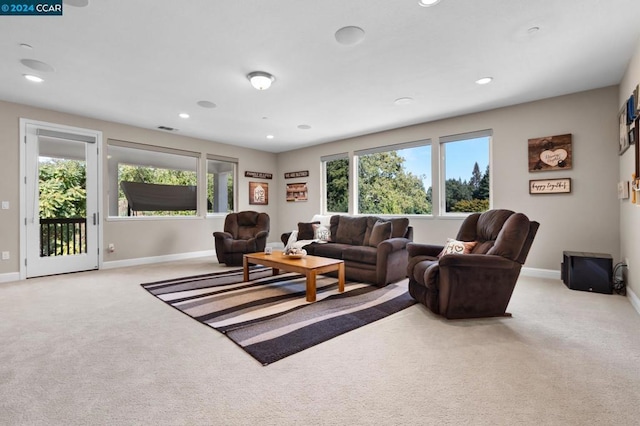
(261, 80)
(33, 78)
(484, 80)
(183, 115)
(427, 3)
(270, 136)
(349, 36)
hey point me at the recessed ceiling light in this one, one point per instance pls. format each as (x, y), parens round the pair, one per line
(37, 65)
(533, 30)
(304, 127)
(26, 46)
(349, 35)
(403, 101)
(484, 80)
(206, 104)
(33, 78)
(183, 115)
(270, 136)
(427, 3)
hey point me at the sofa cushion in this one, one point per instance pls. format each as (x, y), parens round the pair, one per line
(350, 230)
(381, 231)
(332, 250)
(361, 254)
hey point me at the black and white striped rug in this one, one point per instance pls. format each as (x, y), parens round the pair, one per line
(269, 316)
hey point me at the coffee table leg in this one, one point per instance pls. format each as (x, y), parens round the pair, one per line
(245, 268)
(311, 286)
(341, 278)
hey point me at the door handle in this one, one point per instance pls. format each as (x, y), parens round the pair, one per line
(96, 219)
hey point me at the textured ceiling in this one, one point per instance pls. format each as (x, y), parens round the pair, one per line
(142, 62)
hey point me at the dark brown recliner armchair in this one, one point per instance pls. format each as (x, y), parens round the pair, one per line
(244, 232)
(478, 284)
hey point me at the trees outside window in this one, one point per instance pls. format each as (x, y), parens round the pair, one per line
(336, 178)
(395, 181)
(465, 164)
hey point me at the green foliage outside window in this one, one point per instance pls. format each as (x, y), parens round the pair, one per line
(338, 185)
(62, 189)
(385, 187)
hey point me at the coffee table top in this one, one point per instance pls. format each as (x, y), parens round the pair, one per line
(307, 262)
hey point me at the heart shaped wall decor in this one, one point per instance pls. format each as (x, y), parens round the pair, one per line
(552, 158)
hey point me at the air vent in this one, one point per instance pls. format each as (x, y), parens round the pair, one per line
(168, 129)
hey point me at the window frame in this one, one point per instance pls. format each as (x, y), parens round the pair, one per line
(323, 161)
(427, 142)
(442, 193)
(234, 162)
(113, 175)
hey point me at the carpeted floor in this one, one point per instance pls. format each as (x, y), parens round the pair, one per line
(95, 349)
(269, 316)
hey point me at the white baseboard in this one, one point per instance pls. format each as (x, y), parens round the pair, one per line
(541, 273)
(633, 298)
(13, 276)
(158, 259)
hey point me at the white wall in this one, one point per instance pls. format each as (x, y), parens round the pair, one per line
(629, 213)
(585, 220)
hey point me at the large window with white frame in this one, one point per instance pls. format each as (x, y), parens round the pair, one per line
(395, 180)
(335, 169)
(221, 178)
(147, 180)
(465, 172)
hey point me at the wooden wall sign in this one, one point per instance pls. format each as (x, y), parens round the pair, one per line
(550, 153)
(259, 193)
(550, 186)
(258, 175)
(292, 175)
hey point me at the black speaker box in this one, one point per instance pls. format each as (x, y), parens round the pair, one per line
(587, 271)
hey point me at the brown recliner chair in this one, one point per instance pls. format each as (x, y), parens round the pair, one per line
(478, 284)
(244, 232)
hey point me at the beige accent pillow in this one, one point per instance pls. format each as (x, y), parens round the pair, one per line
(457, 247)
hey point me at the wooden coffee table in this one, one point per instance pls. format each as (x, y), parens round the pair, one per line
(310, 266)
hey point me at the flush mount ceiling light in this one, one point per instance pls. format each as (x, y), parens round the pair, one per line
(427, 3)
(37, 65)
(484, 80)
(33, 78)
(261, 80)
(183, 115)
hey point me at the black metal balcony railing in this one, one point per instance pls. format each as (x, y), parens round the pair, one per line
(63, 236)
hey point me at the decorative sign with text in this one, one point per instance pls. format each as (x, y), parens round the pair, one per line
(258, 175)
(550, 153)
(292, 175)
(550, 186)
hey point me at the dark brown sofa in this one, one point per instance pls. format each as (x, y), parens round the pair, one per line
(244, 232)
(373, 249)
(480, 283)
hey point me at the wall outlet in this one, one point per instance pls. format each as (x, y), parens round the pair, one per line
(5, 255)
(5, 205)
(112, 248)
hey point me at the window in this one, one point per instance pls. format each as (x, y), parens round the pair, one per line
(395, 179)
(336, 179)
(151, 181)
(221, 177)
(465, 171)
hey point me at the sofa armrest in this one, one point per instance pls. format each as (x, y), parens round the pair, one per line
(417, 249)
(261, 234)
(393, 244)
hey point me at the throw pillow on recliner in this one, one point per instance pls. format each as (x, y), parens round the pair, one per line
(457, 247)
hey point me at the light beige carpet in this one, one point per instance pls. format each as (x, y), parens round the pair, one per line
(94, 349)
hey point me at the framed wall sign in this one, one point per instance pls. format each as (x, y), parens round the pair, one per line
(258, 175)
(550, 186)
(550, 153)
(297, 192)
(258, 193)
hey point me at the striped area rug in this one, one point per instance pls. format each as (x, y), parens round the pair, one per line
(269, 317)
